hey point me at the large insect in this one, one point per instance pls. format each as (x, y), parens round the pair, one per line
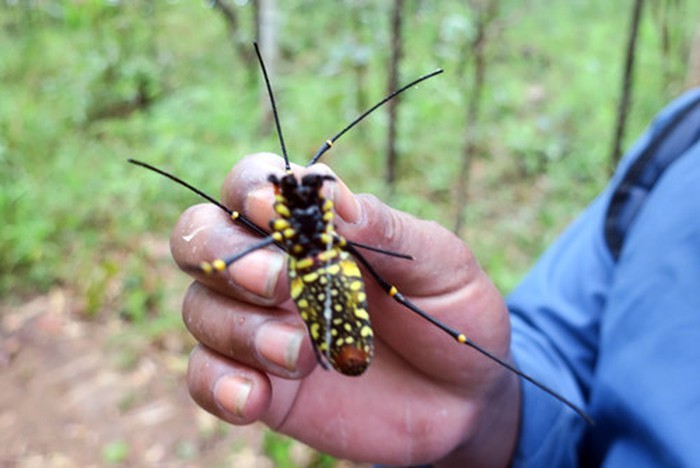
(325, 280)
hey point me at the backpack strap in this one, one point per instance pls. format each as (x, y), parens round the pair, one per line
(668, 143)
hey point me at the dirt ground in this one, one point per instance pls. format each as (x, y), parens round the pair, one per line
(67, 398)
(83, 392)
(76, 392)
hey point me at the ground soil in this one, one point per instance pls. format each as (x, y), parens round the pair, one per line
(69, 397)
(95, 391)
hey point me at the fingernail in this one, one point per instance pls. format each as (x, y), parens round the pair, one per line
(350, 209)
(280, 344)
(346, 204)
(258, 205)
(259, 272)
(231, 393)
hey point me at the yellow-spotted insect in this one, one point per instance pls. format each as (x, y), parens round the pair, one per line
(325, 280)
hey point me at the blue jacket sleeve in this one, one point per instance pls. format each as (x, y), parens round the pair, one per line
(617, 337)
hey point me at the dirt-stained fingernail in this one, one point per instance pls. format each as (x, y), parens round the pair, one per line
(231, 393)
(280, 344)
(259, 272)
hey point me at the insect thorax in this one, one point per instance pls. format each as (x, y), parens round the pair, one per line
(305, 220)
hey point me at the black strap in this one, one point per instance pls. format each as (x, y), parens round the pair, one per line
(670, 142)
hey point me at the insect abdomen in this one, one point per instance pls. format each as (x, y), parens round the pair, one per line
(330, 294)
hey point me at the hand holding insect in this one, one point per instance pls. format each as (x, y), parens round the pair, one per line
(423, 398)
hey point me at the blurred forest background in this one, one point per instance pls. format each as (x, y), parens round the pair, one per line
(506, 147)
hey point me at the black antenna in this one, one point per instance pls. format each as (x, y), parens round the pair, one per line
(329, 143)
(237, 216)
(287, 167)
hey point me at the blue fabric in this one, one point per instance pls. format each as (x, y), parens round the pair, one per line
(620, 337)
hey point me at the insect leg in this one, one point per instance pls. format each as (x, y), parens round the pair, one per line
(378, 250)
(459, 336)
(222, 263)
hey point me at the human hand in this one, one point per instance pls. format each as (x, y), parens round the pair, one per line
(424, 398)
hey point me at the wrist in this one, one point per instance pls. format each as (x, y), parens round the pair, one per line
(493, 437)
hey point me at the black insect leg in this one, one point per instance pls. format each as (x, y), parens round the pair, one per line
(378, 250)
(458, 336)
(222, 263)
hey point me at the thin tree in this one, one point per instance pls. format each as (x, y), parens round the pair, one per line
(359, 62)
(487, 12)
(239, 40)
(627, 78)
(392, 106)
(266, 36)
(693, 73)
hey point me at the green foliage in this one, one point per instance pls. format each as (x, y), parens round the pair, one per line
(87, 84)
(277, 447)
(115, 453)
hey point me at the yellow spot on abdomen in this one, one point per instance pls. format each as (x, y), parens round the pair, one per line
(282, 210)
(361, 314)
(328, 255)
(314, 329)
(305, 263)
(310, 277)
(296, 287)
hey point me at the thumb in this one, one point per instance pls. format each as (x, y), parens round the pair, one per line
(444, 280)
(441, 262)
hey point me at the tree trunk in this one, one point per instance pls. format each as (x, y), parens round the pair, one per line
(396, 52)
(239, 41)
(267, 42)
(693, 75)
(486, 15)
(626, 92)
(359, 64)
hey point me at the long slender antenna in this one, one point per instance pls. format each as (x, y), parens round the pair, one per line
(329, 143)
(235, 215)
(287, 166)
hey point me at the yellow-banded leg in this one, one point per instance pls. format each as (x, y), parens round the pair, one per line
(458, 336)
